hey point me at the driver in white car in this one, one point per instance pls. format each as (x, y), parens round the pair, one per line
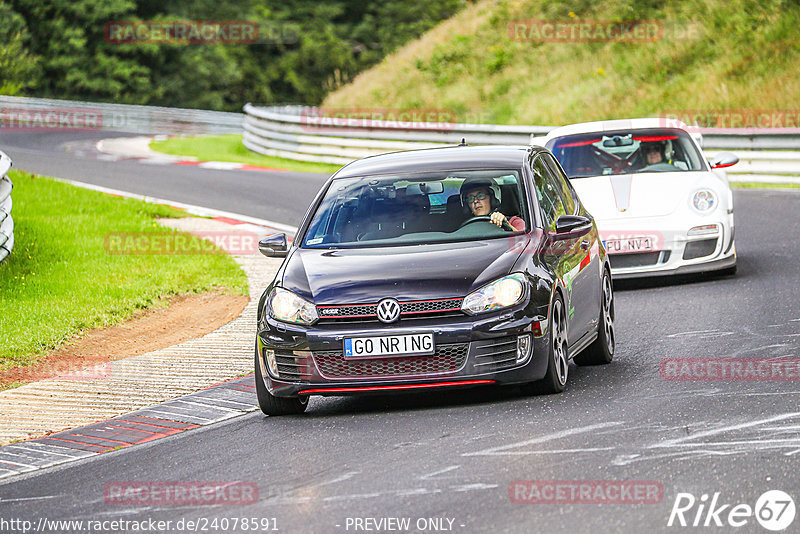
(479, 197)
(653, 154)
(659, 157)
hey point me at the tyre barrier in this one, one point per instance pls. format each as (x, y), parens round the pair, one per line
(6, 222)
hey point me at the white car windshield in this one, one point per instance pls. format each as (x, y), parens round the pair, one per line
(404, 209)
(626, 151)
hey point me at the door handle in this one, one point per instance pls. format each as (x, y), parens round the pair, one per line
(585, 244)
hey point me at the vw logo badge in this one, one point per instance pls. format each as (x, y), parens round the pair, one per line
(388, 310)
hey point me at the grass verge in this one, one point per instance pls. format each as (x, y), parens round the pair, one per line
(59, 279)
(229, 147)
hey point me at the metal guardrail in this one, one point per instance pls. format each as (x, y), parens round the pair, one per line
(6, 222)
(41, 114)
(301, 133)
(298, 132)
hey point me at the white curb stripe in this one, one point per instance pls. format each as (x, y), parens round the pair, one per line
(189, 208)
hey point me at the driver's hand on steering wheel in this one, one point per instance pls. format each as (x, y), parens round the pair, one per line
(498, 218)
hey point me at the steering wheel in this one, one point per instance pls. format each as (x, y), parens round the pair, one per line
(488, 219)
(662, 166)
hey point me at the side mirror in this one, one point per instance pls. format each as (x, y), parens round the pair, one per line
(572, 226)
(723, 159)
(273, 246)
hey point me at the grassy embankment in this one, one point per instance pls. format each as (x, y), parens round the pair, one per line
(714, 55)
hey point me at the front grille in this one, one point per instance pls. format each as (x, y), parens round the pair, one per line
(447, 359)
(495, 354)
(427, 306)
(344, 312)
(623, 261)
(698, 249)
(369, 312)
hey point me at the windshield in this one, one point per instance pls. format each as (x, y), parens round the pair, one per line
(626, 151)
(417, 208)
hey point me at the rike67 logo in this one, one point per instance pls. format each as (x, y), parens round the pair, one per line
(774, 510)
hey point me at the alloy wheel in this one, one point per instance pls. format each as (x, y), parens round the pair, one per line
(560, 360)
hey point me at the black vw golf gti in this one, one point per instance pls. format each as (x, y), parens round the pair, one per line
(440, 268)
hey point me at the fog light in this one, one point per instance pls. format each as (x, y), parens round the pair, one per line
(271, 362)
(523, 348)
(704, 230)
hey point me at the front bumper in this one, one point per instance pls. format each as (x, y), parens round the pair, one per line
(470, 351)
(678, 253)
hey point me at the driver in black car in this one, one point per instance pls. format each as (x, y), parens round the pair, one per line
(479, 197)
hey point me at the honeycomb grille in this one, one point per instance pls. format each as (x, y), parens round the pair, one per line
(447, 359)
(430, 306)
(369, 312)
(348, 311)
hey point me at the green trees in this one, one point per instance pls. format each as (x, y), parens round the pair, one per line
(19, 69)
(62, 49)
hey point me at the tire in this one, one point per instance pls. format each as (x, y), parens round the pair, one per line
(272, 405)
(601, 351)
(555, 379)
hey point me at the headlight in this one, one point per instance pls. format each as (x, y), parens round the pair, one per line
(285, 306)
(501, 293)
(704, 200)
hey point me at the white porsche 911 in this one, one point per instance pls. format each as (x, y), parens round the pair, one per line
(660, 208)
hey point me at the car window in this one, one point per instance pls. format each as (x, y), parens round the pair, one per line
(627, 151)
(417, 208)
(547, 194)
(561, 181)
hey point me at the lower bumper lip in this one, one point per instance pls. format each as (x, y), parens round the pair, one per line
(395, 387)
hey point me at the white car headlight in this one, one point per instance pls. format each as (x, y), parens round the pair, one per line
(704, 200)
(501, 293)
(285, 306)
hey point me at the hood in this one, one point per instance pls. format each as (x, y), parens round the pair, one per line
(652, 194)
(419, 272)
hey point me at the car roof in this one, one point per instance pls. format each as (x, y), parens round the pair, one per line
(620, 124)
(436, 159)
